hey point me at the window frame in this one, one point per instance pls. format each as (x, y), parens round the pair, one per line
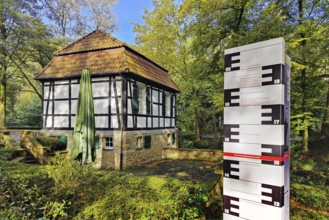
(110, 141)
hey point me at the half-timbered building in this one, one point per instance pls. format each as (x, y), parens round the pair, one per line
(134, 99)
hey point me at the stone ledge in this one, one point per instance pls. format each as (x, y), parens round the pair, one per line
(192, 154)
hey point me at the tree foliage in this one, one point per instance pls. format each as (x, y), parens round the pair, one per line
(189, 37)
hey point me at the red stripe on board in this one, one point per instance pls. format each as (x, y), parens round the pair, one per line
(257, 157)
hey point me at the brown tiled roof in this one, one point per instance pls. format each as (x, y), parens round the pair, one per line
(103, 58)
(96, 40)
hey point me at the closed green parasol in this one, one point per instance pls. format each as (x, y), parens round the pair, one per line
(84, 126)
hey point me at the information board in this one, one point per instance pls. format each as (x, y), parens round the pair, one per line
(256, 131)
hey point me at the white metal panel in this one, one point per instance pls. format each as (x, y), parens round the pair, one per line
(246, 190)
(243, 115)
(260, 44)
(101, 106)
(100, 89)
(263, 95)
(243, 78)
(141, 122)
(161, 122)
(243, 148)
(231, 217)
(259, 54)
(61, 107)
(61, 92)
(260, 134)
(262, 56)
(61, 121)
(255, 172)
(101, 121)
(75, 90)
(253, 210)
(114, 122)
(155, 96)
(130, 122)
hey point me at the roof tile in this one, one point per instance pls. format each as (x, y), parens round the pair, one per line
(103, 55)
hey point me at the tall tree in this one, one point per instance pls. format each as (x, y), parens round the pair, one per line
(189, 38)
(72, 18)
(20, 31)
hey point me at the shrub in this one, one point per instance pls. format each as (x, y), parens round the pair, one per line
(52, 143)
(313, 197)
(20, 199)
(309, 177)
(7, 154)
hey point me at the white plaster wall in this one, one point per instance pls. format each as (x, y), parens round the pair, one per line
(101, 121)
(61, 121)
(61, 107)
(141, 122)
(100, 89)
(101, 106)
(61, 91)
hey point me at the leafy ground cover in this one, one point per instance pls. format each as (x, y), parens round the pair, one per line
(204, 173)
(66, 190)
(159, 190)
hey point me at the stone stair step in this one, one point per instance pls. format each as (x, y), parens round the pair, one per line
(19, 159)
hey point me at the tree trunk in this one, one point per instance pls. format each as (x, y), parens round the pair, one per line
(305, 140)
(303, 84)
(2, 104)
(197, 125)
(325, 123)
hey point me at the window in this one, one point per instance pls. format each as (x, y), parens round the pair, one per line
(168, 104)
(142, 99)
(108, 145)
(173, 137)
(96, 142)
(148, 101)
(147, 142)
(139, 143)
(135, 100)
(169, 139)
(139, 101)
(163, 104)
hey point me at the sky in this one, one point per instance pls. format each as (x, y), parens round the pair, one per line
(127, 12)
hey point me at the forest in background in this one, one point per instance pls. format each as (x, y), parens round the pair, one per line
(188, 37)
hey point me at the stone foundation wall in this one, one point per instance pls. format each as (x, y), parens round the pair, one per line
(131, 152)
(192, 154)
(134, 155)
